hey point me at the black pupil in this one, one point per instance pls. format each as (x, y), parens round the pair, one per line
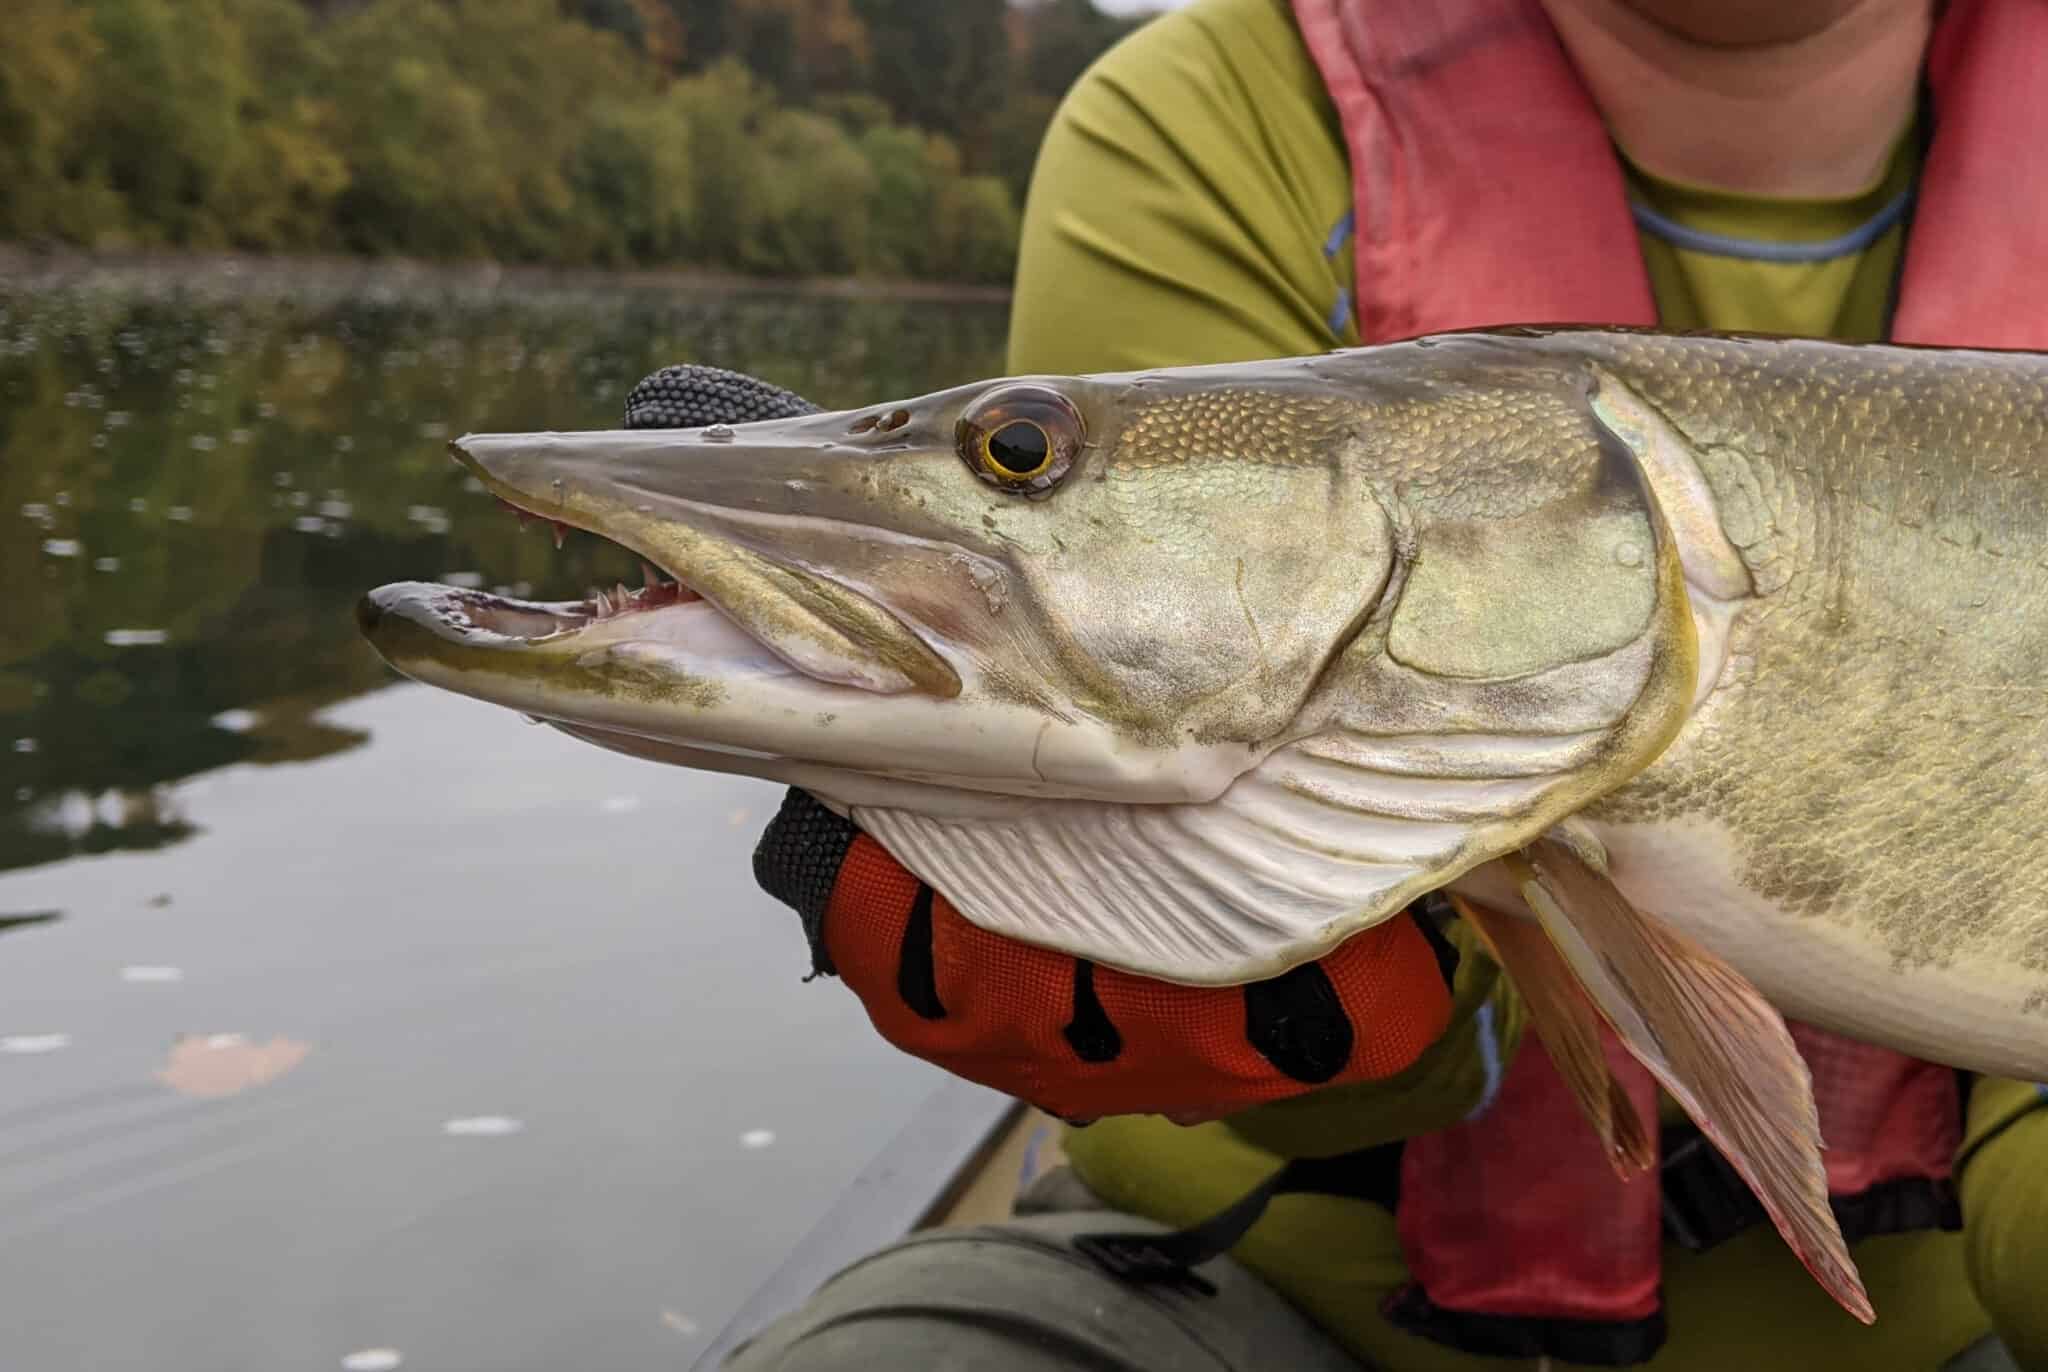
(1018, 447)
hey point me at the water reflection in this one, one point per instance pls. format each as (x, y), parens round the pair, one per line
(200, 485)
(471, 1042)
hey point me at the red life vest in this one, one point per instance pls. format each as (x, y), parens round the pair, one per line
(1487, 191)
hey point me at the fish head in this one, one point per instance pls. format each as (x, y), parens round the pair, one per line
(1193, 673)
(1115, 588)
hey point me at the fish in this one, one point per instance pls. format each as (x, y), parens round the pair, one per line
(1721, 660)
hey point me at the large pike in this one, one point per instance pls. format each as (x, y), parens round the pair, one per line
(1198, 672)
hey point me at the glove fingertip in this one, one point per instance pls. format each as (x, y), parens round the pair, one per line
(797, 861)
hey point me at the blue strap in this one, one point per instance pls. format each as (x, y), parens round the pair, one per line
(1761, 250)
(1489, 1060)
(1340, 312)
(1339, 231)
(1340, 309)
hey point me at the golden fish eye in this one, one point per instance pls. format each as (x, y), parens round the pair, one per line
(1021, 438)
(1018, 451)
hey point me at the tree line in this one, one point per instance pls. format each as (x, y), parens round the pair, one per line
(777, 137)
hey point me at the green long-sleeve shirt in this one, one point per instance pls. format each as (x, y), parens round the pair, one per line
(1189, 206)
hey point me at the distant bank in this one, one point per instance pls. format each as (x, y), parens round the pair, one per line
(869, 138)
(232, 273)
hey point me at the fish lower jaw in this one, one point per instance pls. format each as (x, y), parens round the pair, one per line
(685, 685)
(679, 678)
(419, 625)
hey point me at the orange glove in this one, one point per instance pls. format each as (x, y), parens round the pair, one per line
(1082, 1041)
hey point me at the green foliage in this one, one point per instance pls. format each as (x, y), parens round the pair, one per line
(976, 229)
(631, 162)
(1066, 36)
(784, 137)
(814, 195)
(618, 16)
(165, 135)
(907, 166)
(46, 66)
(279, 191)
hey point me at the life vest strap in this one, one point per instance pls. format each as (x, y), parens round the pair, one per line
(1589, 1343)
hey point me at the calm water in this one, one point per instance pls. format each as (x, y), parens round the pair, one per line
(336, 1015)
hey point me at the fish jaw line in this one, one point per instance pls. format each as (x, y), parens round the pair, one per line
(682, 684)
(870, 784)
(561, 655)
(818, 625)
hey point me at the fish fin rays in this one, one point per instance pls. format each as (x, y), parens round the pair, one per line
(1711, 1040)
(1569, 1028)
(1213, 895)
(1322, 839)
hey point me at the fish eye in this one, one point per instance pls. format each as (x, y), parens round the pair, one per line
(1021, 438)
(1019, 449)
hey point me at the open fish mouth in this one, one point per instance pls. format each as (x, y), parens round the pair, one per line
(478, 618)
(406, 619)
(710, 607)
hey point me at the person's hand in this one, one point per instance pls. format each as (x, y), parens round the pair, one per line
(1078, 1040)
(1075, 1039)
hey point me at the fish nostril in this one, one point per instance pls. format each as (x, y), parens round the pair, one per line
(880, 423)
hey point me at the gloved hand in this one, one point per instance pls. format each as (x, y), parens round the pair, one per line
(1077, 1040)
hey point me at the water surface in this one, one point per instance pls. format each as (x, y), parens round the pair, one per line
(339, 1016)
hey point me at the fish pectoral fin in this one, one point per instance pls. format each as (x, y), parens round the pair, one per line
(1569, 1027)
(1711, 1039)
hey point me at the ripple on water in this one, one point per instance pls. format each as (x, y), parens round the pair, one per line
(26, 1045)
(151, 973)
(483, 1127)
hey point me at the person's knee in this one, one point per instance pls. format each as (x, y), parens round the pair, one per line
(2005, 1211)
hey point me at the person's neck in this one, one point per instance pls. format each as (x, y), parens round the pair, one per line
(1758, 102)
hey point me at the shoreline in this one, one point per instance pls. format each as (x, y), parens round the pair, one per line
(244, 272)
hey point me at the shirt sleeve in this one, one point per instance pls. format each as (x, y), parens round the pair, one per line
(1191, 204)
